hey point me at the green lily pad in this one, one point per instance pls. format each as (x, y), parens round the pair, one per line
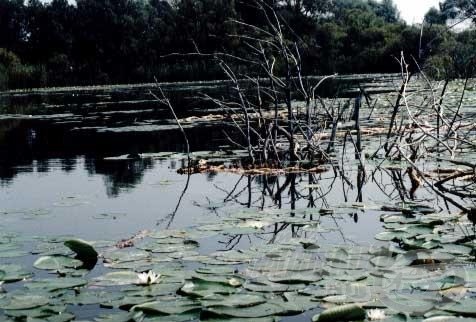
(382, 261)
(13, 273)
(216, 269)
(390, 235)
(234, 300)
(51, 249)
(125, 303)
(55, 284)
(411, 230)
(53, 313)
(231, 280)
(440, 284)
(261, 310)
(90, 297)
(415, 303)
(265, 286)
(120, 317)
(300, 302)
(236, 256)
(117, 278)
(448, 318)
(200, 288)
(230, 319)
(124, 256)
(154, 290)
(295, 278)
(422, 257)
(13, 253)
(319, 292)
(340, 299)
(456, 249)
(466, 307)
(349, 312)
(56, 263)
(22, 302)
(177, 306)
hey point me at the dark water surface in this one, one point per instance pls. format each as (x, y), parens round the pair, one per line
(73, 197)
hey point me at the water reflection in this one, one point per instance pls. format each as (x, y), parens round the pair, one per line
(30, 145)
(120, 176)
(346, 194)
(344, 201)
(68, 164)
(32, 148)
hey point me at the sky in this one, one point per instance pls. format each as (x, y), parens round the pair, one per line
(413, 11)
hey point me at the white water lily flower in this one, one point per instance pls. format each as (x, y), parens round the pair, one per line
(234, 282)
(376, 314)
(189, 286)
(148, 278)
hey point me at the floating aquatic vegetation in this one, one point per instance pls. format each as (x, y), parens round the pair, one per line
(421, 267)
(56, 263)
(349, 312)
(10, 273)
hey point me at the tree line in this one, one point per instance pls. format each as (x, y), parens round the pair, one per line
(128, 41)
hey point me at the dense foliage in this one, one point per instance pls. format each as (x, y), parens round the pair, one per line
(105, 41)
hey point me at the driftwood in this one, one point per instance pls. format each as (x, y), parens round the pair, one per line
(251, 169)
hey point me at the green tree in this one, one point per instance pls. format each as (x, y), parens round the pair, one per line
(386, 10)
(435, 17)
(459, 8)
(108, 35)
(12, 25)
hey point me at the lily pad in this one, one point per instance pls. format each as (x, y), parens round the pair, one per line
(234, 300)
(200, 288)
(466, 307)
(117, 278)
(440, 284)
(90, 297)
(56, 263)
(349, 312)
(13, 273)
(13, 253)
(22, 302)
(262, 310)
(55, 284)
(216, 269)
(53, 313)
(176, 306)
(265, 286)
(295, 278)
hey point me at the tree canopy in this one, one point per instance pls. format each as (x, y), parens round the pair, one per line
(123, 41)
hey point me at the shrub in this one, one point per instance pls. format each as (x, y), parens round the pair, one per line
(26, 76)
(3, 77)
(8, 59)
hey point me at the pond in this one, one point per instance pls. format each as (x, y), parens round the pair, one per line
(98, 223)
